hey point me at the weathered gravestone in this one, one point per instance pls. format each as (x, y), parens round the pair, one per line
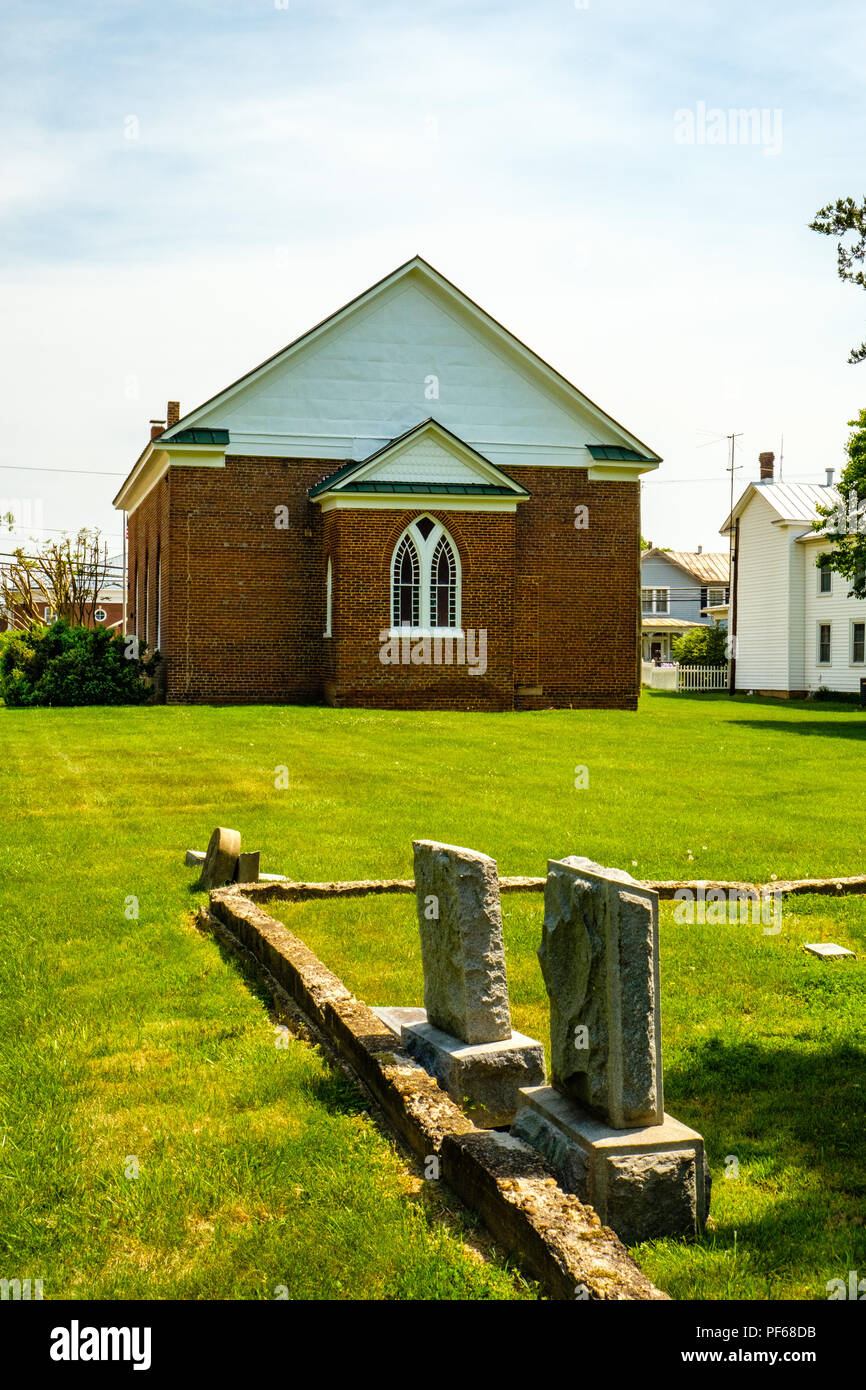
(221, 858)
(466, 1040)
(248, 867)
(602, 1122)
(465, 988)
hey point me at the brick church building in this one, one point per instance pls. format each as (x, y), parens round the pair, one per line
(404, 508)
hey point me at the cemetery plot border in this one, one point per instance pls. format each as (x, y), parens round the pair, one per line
(557, 1238)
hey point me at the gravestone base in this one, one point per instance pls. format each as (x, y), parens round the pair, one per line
(644, 1183)
(484, 1078)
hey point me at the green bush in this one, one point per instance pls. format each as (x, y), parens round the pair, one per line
(703, 645)
(63, 665)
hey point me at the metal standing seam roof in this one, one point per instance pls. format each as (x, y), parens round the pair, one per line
(615, 453)
(791, 501)
(199, 435)
(798, 501)
(710, 567)
(662, 624)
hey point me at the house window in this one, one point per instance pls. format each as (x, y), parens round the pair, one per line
(823, 644)
(100, 615)
(656, 600)
(715, 597)
(329, 599)
(858, 644)
(825, 581)
(425, 578)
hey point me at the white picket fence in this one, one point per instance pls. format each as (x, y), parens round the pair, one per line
(703, 678)
(676, 677)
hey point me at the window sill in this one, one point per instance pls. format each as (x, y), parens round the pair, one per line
(413, 632)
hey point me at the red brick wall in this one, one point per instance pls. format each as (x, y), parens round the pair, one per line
(583, 585)
(361, 544)
(247, 607)
(244, 601)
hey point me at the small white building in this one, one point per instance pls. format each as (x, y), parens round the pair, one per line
(796, 627)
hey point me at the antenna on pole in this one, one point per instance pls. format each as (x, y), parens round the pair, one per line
(732, 469)
(781, 456)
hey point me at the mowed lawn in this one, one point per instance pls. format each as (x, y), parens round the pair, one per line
(132, 1044)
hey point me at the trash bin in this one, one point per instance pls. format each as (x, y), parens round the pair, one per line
(863, 692)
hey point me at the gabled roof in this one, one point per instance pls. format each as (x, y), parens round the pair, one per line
(707, 567)
(792, 502)
(634, 447)
(477, 476)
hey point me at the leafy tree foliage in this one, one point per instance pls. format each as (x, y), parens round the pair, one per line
(838, 219)
(846, 523)
(703, 645)
(63, 665)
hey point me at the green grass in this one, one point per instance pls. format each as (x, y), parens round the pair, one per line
(762, 1055)
(257, 1167)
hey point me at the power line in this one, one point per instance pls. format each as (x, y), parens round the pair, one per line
(91, 472)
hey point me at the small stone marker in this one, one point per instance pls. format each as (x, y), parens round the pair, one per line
(599, 958)
(465, 987)
(248, 867)
(221, 858)
(828, 950)
(194, 858)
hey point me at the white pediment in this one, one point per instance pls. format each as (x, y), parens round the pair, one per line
(411, 347)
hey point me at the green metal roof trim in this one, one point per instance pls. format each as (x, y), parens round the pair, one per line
(332, 478)
(199, 436)
(613, 453)
(453, 489)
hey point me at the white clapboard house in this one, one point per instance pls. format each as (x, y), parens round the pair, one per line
(796, 628)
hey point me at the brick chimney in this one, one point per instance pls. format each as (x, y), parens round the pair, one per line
(172, 414)
(156, 427)
(766, 461)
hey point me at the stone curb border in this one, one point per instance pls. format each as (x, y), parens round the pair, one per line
(559, 1240)
(290, 891)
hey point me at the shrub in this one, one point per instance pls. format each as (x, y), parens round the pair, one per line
(703, 645)
(63, 665)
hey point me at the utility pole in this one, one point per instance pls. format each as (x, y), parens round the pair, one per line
(733, 551)
(732, 470)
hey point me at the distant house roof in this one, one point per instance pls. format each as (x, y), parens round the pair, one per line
(708, 567)
(659, 624)
(792, 502)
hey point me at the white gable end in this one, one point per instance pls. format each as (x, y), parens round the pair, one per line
(425, 461)
(406, 353)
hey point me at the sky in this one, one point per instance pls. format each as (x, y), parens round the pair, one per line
(186, 187)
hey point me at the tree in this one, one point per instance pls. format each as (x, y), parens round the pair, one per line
(62, 665)
(837, 219)
(705, 645)
(846, 523)
(65, 576)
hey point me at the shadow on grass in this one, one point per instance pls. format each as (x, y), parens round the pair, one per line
(818, 728)
(799, 1107)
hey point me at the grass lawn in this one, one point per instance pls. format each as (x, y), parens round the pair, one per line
(125, 1038)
